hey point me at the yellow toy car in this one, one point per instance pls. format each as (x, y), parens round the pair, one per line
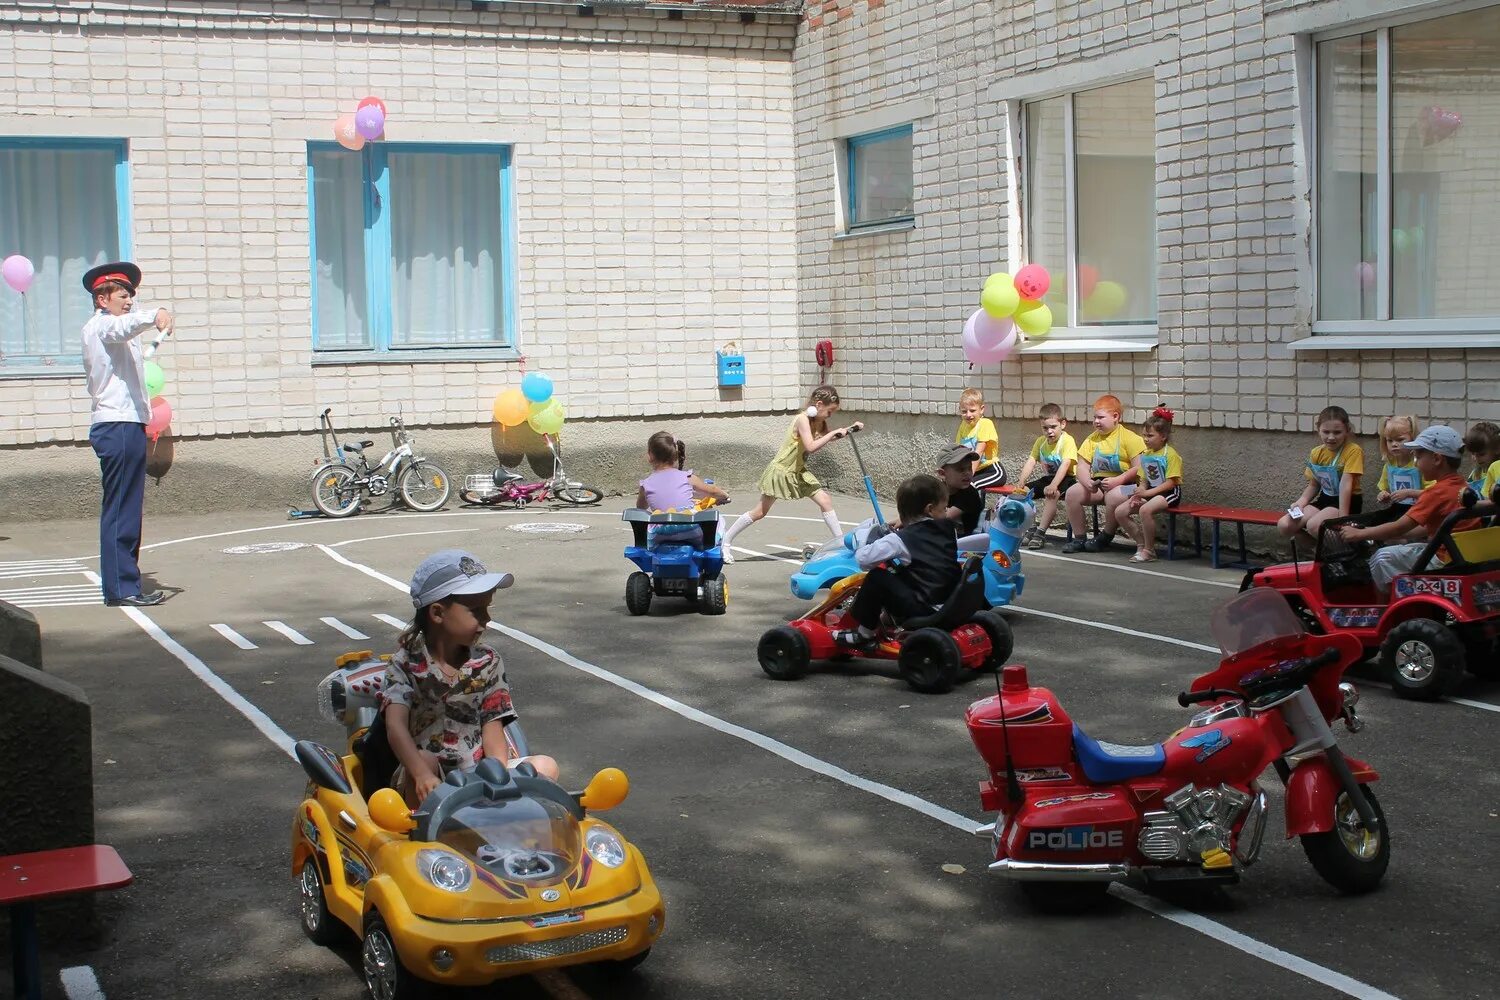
(499, 873)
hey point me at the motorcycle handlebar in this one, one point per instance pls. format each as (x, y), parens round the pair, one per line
(1186, 698)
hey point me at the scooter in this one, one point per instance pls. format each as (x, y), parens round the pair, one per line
(1076, 813)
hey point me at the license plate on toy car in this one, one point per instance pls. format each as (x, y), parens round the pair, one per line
(554, 919)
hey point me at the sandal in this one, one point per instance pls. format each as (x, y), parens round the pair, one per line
(1143, 556)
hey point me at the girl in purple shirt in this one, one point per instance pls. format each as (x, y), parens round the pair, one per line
(671, 487)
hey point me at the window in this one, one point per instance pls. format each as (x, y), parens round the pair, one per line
(1408, 176)
(1090, 203)
(412, 247)
(64, 204)
(880, 185)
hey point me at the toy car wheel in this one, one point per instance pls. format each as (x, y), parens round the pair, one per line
(784, 654)
(319, 926)
(638, 593)
(385, 977)
(930, 661)
(1002, 639)
(1425, 659)
(1350, 857)
(715, 596)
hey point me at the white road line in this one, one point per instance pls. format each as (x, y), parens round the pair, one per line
(403, 534)
(35, 563)
(1039, 554)
(1112, 628)
(29, 574)
(390, 620)
(289, 632)
(214, 682)
(1471, 703)
(1184, 918)
(69, 588)
(763, 555)
(70, 603)
(234, 637)
(339, 626)
(79, 983)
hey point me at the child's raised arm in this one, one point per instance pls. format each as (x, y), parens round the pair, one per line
(703, 488)
(811, 444)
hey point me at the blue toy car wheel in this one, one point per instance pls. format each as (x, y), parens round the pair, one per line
(638, 593)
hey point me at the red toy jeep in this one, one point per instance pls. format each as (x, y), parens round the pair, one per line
(1438, 620)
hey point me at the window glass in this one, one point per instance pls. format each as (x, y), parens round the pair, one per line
(59, 208)
(339, 240)
(881, 181)
(1046, 197)
(1115, 167)
(1347, 174)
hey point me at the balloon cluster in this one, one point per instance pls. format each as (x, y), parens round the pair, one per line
(1438, 123)
(161, 410)
(1097, 299)
(532, 404)
(366, 124)
(1008, 306)
(17, 272)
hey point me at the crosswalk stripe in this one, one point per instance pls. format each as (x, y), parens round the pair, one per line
(289, 632)
(26, 574)
(337, 625)
(72, 602)
(19, 563)
(44, 588)
(234, 636)
(391, 620)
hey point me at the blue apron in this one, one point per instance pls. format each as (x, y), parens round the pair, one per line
(1328, 477)
(1403, 477)
(1107, 462)
(1154, 468)
(1052, 460)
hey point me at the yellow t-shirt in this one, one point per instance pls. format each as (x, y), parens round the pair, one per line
(1405, 476)
(1055, 456)
(982, 437)
(1489, 482)
(1110, 454)
(1159, 466)
(1327, 469)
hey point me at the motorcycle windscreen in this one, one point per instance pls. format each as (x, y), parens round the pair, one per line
(1254, 617)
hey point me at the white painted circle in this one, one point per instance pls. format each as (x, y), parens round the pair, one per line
(547, 528)
(262, 548)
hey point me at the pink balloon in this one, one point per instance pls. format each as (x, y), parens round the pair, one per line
(1366, 274)
(347, 134)
(1088, 279)
(161, 418)
(17, 272)
(377, 102)
(987, 340)
(1032, 281)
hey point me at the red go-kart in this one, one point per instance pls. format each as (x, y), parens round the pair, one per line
(932, 651)
(1438, 621)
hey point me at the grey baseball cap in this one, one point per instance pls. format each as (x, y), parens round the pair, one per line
(453, 573)
(955, 454)
(1439, 439)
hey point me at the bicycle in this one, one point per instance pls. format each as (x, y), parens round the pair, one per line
(341, 483)
(506, 486)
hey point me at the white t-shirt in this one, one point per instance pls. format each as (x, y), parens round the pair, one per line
(116, 370)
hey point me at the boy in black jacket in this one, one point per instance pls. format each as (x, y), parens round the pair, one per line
(924, 551)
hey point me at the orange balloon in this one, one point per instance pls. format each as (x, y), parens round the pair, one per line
(511, 408)
(347, 135)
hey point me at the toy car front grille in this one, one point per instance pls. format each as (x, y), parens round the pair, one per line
(532, 951)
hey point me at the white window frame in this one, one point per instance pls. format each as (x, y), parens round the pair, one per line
(1382, 332)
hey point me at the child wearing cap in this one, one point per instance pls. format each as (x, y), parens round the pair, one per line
(1438, 452)
(955, 467)
(445, 697)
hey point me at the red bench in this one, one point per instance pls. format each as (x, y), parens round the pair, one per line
(26, 879)
(1200, 512)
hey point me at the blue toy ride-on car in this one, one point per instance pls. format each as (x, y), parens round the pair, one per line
(692, 568)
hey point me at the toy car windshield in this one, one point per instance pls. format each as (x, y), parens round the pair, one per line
(1255, 617)
(671, 516)
(530, 839)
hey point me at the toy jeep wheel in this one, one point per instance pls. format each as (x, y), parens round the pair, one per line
(385, 977)
(930, 661)
(319, 926)
(783, 653)
(1424, 658)
(638, 593)
(715, 596)
(1002, 640)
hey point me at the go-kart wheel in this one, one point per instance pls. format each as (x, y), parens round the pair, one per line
(783, 653)
(1425, 659)
(638, 593)
(317, 923)
(385, 977)
(930, 661)
(1002, 639)
(1350, 857)
(715, 596)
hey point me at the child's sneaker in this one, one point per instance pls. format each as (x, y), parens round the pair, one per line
(1100, 542)
(854, 638)
(1072, 545)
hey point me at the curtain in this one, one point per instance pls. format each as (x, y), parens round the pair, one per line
(59, 208)
(338, 181)
(445, 249)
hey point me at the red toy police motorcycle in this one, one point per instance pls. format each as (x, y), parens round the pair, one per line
(1077, 813)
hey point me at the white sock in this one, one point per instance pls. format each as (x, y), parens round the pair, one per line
(740, 524)
(832, 520)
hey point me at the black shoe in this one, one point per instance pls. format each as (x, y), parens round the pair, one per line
(1100, 542)
(137, 600)
(853, 638)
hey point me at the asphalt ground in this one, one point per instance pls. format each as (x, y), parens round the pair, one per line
(809, 837)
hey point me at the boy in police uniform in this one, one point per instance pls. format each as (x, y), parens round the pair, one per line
(116, 371)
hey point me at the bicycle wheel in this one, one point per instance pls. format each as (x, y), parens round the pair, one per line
(334, 492)
(424, 487)
(579, 495)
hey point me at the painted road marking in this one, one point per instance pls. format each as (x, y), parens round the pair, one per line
(79, 983)
(1183, 918)
(1112, 628)
(27, 574)
(289, 632)
(391, 620)
(339, 626)
(1039, 554)
(234, 637)
(763, 555)
(66, 596)
(404, 534)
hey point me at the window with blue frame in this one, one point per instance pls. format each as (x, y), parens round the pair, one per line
(64, 205)
(412, 247)
(880, 182)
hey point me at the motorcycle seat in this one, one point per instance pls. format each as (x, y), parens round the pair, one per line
(1102, 762)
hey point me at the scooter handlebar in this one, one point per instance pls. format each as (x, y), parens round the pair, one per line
(1186, 698)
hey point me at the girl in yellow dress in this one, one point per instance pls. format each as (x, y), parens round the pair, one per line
(787, 478)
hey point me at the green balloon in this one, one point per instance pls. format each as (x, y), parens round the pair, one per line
(1400, 243)
(1034, 319)
(1000, 297)
(549, 420)
(156, 379)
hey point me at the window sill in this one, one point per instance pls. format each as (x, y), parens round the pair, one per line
(899, 226)
(31, 370)
(415, 356)
(1394, 342)
(1091, 345)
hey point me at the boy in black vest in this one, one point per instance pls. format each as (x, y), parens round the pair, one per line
(924, 550)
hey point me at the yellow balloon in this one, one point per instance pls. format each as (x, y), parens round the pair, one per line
(1108, 298)
(511, 408)
(1000, 297)
(550, 420)
(1034, 318)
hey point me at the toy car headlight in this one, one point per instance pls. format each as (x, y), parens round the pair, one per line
(1014, 514)
(444, 870)
(605, 847)
(331, 697)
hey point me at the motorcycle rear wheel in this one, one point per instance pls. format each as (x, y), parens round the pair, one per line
(1350, 857)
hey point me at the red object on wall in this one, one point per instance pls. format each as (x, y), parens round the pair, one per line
(823, 352)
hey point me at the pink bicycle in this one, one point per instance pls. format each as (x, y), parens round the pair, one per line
(508, 486)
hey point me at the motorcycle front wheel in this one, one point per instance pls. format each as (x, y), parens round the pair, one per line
(1350, 857)
(424, 487)
(334, 492)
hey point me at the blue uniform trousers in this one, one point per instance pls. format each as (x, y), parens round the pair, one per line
(121, 447)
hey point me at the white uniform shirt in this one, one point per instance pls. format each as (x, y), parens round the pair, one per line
(116, 370)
